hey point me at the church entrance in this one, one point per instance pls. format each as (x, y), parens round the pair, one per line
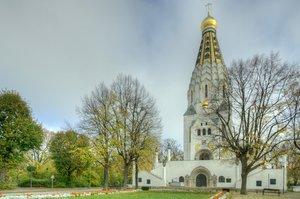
(201, 180)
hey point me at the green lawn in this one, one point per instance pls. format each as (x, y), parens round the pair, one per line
(152, 195)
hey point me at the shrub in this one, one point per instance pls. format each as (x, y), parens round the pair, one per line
(145, 188)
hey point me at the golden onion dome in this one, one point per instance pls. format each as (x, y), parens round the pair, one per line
(209, 22)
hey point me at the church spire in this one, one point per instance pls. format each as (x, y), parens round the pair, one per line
(209, 51)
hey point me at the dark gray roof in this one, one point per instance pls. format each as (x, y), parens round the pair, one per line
(190, 111)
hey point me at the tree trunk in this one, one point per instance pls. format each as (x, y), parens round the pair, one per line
(105, 176)
(69, 180)
(136, 174)
(244, 176)
(125, 175)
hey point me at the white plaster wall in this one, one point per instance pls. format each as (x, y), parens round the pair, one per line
(226, 168)
(265, 176)
(154, 180)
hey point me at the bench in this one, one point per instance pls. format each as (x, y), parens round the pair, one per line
(271, 190)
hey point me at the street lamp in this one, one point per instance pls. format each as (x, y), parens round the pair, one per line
(52, 179)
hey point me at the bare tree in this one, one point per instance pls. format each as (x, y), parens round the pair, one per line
(295, 126)
(176, 151)
(42, 154)
(137, 120)
(97, 120)
(255, 111)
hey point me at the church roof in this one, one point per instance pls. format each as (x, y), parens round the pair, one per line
(190, 111)
(209, 49)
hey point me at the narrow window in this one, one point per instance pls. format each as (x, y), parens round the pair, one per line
(228, 180)
(273, 181)
(198, 132)
(206, 91)
(224, 90)
(181, 179)
(204, 132)
(192, 96)
(140, 179)
(209, 131)
(148, 181)
(258, 183)
(221, 179)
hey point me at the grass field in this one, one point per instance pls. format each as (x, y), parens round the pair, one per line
(152, 195)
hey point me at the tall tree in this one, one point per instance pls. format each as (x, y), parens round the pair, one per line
(255, 111)
(71, 154)
(136, 119)
(19, 132)
(97, 121)
(295, 125)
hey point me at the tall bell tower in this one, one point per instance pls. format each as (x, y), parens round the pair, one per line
(207, 84)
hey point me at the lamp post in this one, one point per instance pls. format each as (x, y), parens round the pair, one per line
(52, 179)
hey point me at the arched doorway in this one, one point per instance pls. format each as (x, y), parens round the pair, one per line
(201, 180)
(200, 177)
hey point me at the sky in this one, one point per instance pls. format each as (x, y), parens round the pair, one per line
(54, 52)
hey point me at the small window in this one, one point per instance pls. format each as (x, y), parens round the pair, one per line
(181, 179)
(258, 183)
(198, 132)
(273, 181)
(205, 123)
(209, 131)
(140, 179)
(148, 181)
(221, 179)
(201, 124)
(206, 91)
(204, 131)
(228, 180)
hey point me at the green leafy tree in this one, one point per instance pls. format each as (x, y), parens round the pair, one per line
(19, 132)
(71, 154)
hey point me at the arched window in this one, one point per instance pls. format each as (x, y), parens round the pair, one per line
(198, 132)
(209, 131)
(206, 91)
(205, 155)
(181, 179)
(203, 131)
(221, 179)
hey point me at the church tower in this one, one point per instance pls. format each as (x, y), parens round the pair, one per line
(207, 84)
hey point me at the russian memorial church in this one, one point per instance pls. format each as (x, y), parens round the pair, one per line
(202, 166)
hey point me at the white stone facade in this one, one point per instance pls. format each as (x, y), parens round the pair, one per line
(213, 170)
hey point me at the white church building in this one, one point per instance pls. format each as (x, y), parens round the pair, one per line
(201, 167)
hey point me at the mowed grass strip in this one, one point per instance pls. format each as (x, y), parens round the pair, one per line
(152, 195)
